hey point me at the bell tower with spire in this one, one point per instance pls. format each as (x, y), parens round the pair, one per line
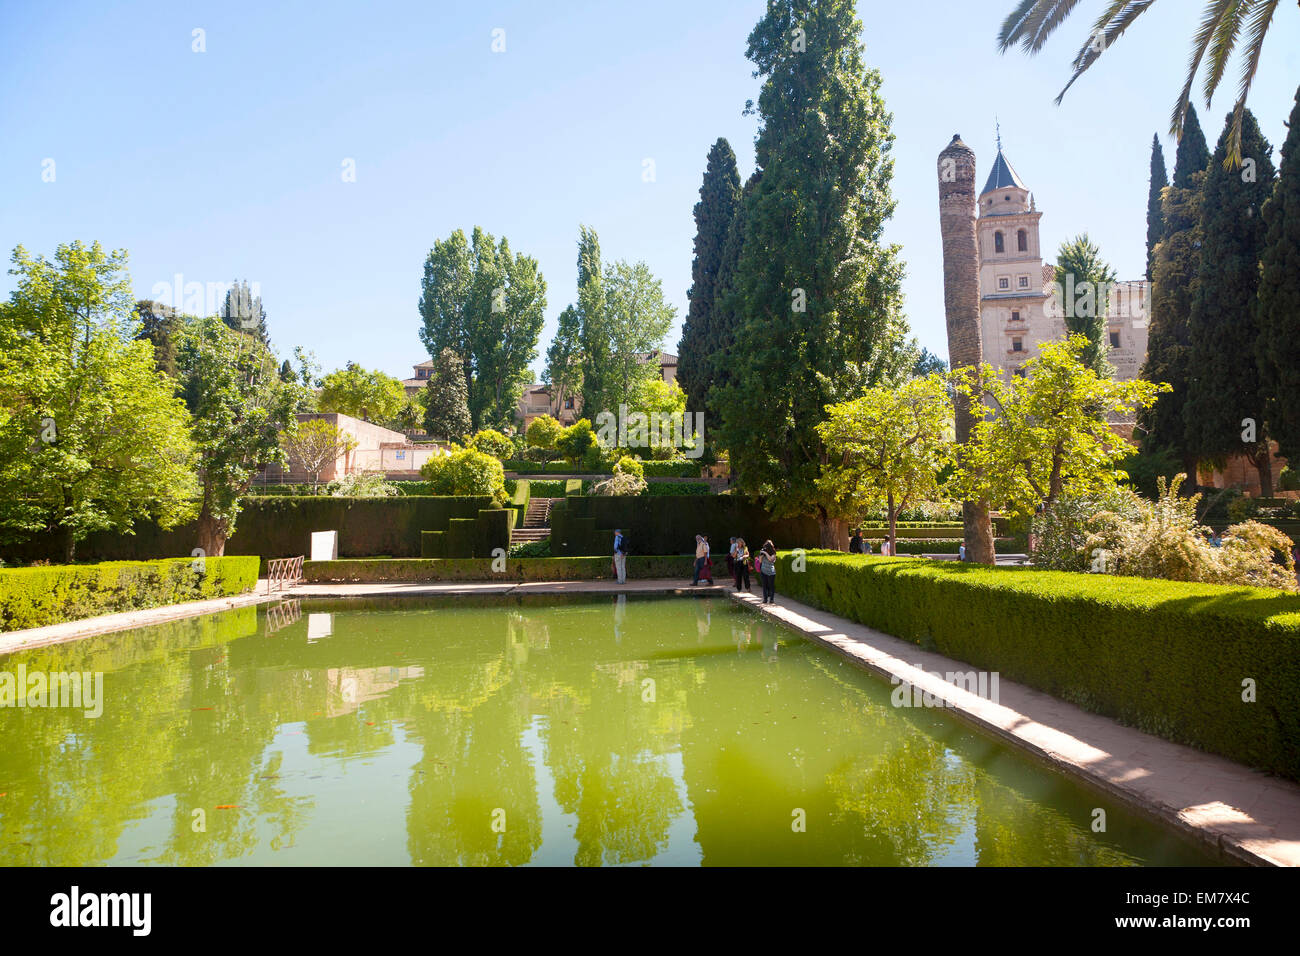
(1014, 285)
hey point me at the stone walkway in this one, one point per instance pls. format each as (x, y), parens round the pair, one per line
(1247, 815)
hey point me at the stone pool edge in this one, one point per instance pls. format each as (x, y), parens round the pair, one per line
(1200, 794)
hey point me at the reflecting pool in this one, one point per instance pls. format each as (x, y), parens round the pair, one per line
(519, 730)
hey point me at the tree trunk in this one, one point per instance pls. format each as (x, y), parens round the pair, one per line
(1190, 463)
(978, 532)
(212, 535)
(832, 532)
(69, 546)
(1264, 465)
(893, 524)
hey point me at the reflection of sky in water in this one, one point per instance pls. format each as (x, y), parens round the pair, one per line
(387, 733)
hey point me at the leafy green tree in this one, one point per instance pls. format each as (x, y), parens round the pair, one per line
(1175, 277)
(543, 432)
(369, 395)
(1155, 215)
(1225, 411)
(466, 471)
(242, 311)
(593, 329)
(1086, 280)
(1279, 298)
(719, 198)
(487, 305)
(239, 405)
(91, 436)
(563, 373)
(636, 320)
(927, 363)
(446, 407)
(817, 291)
(492, 442)
(574, 441)
(314, 445)
(887, 446)
(160, 324)
(1049, 433)
(1221, 25)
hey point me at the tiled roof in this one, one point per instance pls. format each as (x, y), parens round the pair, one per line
(1002, 176)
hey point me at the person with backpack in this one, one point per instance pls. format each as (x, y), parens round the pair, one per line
(620, 556)
(742, 564)
(767, 571)
(855, 542)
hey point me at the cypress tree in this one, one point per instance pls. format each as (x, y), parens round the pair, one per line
(1155, 216)
(727, 308)
(1279, 298)
(818, 289)
(446, 411)
(594, 335)
(161, 325)
(243, 312)
(1224, 414)
(1193, 154)
(719, 197)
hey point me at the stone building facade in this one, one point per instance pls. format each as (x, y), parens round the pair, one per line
(1020, 307)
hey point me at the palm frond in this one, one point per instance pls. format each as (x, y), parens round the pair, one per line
(1225, 39)
(1110, 26)
(1260, 20)
(1031, 23)
(1215, 11)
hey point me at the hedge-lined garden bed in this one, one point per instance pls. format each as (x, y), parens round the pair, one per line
(516, 569)
(1166, 657)
(35, 597)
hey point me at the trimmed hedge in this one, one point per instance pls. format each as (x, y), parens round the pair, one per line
(671, 469)
(35, 597)
(516, 569)
(281, 527)
(1166, 657)
(941, 545)
(573, 486)
(653, 469)
(546, 488)
(668, 525)
(663, 489)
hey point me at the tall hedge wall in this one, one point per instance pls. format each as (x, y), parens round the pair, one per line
(1166, 657)
(668, 525)
(35, 597)
(281, 527)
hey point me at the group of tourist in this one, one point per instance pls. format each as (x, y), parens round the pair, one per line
(739, 563)
(860, 545)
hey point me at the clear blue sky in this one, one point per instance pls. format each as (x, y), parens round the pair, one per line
(227, 164)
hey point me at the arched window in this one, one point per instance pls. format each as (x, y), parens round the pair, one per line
(1022, 241)
(998, 244)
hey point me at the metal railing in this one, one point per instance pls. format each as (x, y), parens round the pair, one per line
(282, 573)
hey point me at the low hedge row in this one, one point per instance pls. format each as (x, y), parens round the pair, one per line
(35, 597)
(653, 469)
(470, 537)
(545, 487)
(1167, 657)
(940, 545)
(670, 488)
(515, 569)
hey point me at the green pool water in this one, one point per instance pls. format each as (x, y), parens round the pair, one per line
(595, 731)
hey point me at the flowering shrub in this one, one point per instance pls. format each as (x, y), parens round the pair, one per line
(366, 484)
(622, 484)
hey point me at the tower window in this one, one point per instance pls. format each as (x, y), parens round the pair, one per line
(1017, 344)
(1015, 316)
(998, 244)
(1004, 283)
(1114, 340)
(1022, 241)
(1024, 282)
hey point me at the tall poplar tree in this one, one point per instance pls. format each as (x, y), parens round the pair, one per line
(593, 335)
(243, 312)
(819, 291)
(719, 197)
(1279, 298)
(1155, 215)
(1224, 414)
(487, 305)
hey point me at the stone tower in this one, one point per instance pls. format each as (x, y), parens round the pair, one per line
(961, 299)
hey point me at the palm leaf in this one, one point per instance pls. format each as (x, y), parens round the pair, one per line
(1110, 26)
(1215, 11)
(1260, 20)
(1031, 23)
(1225, 38)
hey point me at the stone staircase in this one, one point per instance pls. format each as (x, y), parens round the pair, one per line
(537, 521)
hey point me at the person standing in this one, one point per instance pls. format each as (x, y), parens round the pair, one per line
(620, 556)
(961, 552)
(767, 571)
(731, 558)
(741, 564)
(701, 556)
(855, 542)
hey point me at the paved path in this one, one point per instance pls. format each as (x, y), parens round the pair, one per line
(1248, 815)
